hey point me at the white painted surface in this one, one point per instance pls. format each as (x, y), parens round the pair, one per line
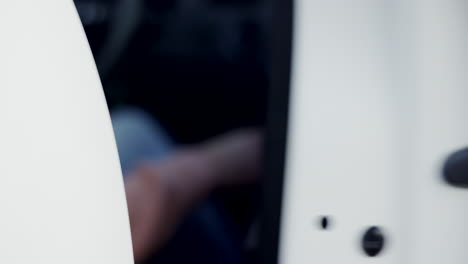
(61, 190)
(379, 99)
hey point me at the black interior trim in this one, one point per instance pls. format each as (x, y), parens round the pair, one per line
(277, 129)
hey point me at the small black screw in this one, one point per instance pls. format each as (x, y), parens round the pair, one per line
(373, 241)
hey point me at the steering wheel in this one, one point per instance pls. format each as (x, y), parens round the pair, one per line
(122, 17)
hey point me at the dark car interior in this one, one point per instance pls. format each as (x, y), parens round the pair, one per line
(200, 67)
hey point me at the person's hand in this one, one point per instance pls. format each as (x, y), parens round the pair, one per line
(159, 195)
(235, 157)
(152, 218)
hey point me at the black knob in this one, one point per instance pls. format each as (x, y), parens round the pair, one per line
(373, 241)
(456, 169)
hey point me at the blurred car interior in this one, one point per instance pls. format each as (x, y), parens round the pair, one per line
(200, 67)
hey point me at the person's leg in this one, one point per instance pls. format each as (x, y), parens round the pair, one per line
(139, 137)
(204, 237)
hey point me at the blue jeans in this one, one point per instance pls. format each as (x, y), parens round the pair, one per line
(205, 236)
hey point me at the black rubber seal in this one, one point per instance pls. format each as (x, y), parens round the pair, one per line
(455, 170)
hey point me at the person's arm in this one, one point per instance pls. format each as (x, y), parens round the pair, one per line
(159, 195)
